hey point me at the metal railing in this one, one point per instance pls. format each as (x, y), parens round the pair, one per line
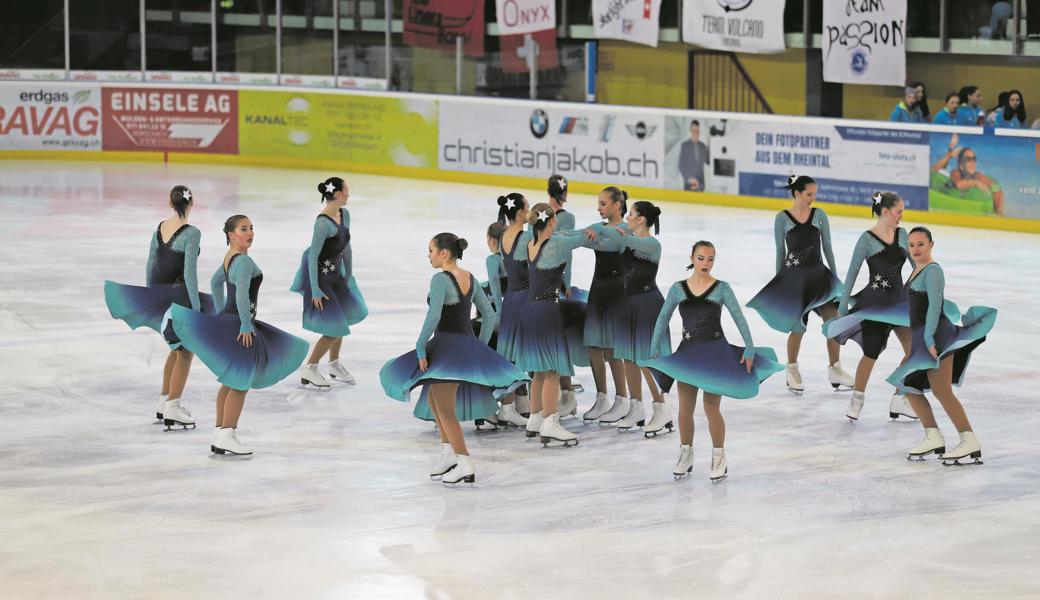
(718, 81)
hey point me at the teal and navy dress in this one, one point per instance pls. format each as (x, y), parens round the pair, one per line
(802, 283)
(542, 342)
(326, 269)
(454, 354)
(273, 355)
(606, 292)
(170, 278)
(931, 325)
(704, 358)
(514, 299)
(574, 307)
(881, 304)
(493, 288)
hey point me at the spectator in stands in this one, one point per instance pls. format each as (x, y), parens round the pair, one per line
(971, 111)
(693, 155)
(948, 114)
(991, 116)
(904, 112)
(966, 180)
(921, 102)
(1013, 114)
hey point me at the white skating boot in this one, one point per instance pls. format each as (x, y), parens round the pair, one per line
(685, 464)
(661, 419)
(309, 374)
(598, 409)
(636, 416)
(719, 470)
(855, 406)
(968, 448)
(225, 441)
(617, 412)
(900, 407)
(523, 405)
(445, 463)
(174, 414)
(568, 403)
(794, 379)
(159, 410)
(339, 372)
(461, 473)
(534, 424)
(840, 380)
(932, 443)
(552, 431)
(491, 421)
(507, 415)
(213, 440)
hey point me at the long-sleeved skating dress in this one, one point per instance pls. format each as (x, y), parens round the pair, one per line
(704, 358)
(802, 283)
(514, 299)
(327, 268)
(932, 326)
(170, 278)
(606, 292)
(881, 304)
(575, 306)
(273, 355)
(495, 286)
(454, 353)
(542, 342)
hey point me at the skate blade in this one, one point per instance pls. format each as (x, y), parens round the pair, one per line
(169, 423)
(660, 431)
(975, 458)
(566, 443)
(229, 453)
(305, 383)
(679, 476)
(531, 434)
(347, 381)
(577, 389)
(796, 392)
(466, 479)
(895, 416)
(851, 418)
(841, 387)
(717, 480)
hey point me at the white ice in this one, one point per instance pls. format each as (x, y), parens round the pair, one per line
(95, 501)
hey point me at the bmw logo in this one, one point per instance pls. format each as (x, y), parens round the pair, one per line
(858, 62)
(539, 123)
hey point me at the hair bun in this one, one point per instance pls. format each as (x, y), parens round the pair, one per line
(463, 244)
(321, 188)
(502, 200)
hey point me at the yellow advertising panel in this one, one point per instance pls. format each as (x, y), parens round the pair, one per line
(361, 129)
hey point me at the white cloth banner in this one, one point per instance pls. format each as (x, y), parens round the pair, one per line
(865, 42)
(525, 16)
(630, 20)
(735, 25)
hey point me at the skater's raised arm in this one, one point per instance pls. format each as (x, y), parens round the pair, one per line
(729, 300)
(439, 286)
(488, 316)
(671, 301)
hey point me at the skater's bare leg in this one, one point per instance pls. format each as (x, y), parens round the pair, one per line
(866, 366)
(617, 371)
(222, 395)
(794, 345)
(443, 395)
(716, 424)
(940, 380)
(180, 373)
(233, 407)
(828, 312)
(171, 361)
(599, 369)
(537, 382)
(436, 415)
(634, 380)
(922, 409)
(651, 384)
(320, 348)
(335, 348)
(687, 402)
(550, 393)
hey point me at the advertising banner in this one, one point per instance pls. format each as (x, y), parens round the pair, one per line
(734, 25)
(755, 158)
(364, 129)
(525, 16)
(985, 174)
(530, 140)
(514, 50)
(436, 24)
(630, 20)
(865, 42)
(46, 116)
(170, 119)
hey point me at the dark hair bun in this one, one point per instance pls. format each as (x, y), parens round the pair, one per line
(463, 244)
(502, 200)
(321, 188)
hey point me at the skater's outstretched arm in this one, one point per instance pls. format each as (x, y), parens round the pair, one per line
(824, 225)
(216, 287)
(729, 300)
(779, 231)
(859, 254)
(671, 301)
(488, 316)
(934, 284)
(608, 238)
(153, 250)
(192, 237)
(494, 271)
(323, 229)
(241, 274)
(439, 286)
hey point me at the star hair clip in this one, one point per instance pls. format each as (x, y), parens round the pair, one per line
(543, 216)
(510, 203)
(563, 183)
(186, 194)
(793, 178)
(329, 188)
(877, 198)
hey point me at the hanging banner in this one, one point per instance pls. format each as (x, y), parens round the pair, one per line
(437, 23)
(525, 16)
(630, 20)
(755, 26)
(50, 117)
(865, 42)
(515, 47)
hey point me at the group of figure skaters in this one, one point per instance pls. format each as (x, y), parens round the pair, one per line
(512, 366)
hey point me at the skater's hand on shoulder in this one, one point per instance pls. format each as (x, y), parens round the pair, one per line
(590, 234)
(931, 350)
(620, 230)
(747, 362)
(246, 339)
(424, 364)
(317, 302)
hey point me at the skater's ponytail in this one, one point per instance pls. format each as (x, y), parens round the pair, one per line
(557, 187)
(452, 243)
(508, 207)
(230, 225)
(798, 183)
(539, 216)
(651, 213)
(329, 187)
(180, 199)
(883, 200)
(618, 195)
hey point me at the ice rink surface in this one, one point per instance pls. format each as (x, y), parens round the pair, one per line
(97, 502)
